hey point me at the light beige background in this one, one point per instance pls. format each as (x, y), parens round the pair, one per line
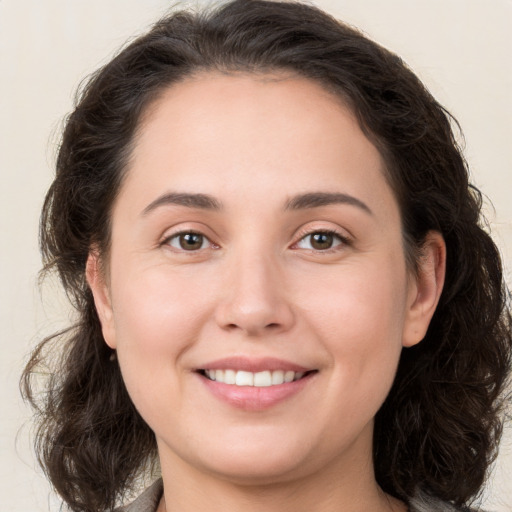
(460, 48)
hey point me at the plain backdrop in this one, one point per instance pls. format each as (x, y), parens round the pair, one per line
(460, 48)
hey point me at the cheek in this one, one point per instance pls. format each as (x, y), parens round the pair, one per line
(358, 296)
(359, 315)
(157, 318)
(156, 309)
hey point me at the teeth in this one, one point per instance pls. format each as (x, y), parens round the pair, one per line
(259, 379)
(244, 379)
(263, 379)
(288, 376)
(277, 377)
(229, 377)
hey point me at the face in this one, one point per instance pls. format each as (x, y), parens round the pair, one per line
(257, 293)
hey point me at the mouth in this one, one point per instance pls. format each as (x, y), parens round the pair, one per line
(255, 384)
(261, 379)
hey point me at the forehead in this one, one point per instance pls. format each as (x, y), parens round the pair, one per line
(210, 100)
(218, 133)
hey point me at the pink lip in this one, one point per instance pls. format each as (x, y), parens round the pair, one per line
(253, 364)
(252, 398)
(249, 398)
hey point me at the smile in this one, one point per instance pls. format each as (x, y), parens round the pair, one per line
(261, 379)
(255, 391)
(255, 384)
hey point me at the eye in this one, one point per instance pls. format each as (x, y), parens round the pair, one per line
(320, 241)
(188, 241)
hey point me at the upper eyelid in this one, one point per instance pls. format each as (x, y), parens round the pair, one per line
(306, 231)
(176, 230)
(343, 239)
(166, 238)
(300, 233)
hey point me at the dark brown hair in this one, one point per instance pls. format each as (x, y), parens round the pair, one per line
(439, 428)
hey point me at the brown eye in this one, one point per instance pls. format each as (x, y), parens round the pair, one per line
(188, 241)
(320, 241)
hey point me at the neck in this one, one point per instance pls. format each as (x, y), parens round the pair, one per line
(278, 498)
(350, 487)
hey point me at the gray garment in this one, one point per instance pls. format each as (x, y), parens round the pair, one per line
(424, 503)
(149, 499)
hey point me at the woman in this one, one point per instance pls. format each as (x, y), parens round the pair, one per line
(285, 296)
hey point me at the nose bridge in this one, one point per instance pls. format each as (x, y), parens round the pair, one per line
(255, 302)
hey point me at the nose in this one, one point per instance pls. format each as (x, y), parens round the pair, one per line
(256, 302)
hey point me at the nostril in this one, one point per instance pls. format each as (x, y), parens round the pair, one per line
(273, 326)
(253, 318)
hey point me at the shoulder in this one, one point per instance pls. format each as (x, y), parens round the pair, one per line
(424, 503)
(148, 501)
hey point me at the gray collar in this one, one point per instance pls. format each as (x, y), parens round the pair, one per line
(148, 502)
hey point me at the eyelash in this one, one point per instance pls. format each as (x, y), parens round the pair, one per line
(176, 236)
(342, 241)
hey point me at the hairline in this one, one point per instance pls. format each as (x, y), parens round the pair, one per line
(151, 100)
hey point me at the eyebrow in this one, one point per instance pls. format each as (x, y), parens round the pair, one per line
(317, 199)
(298, 202)
(201, 201)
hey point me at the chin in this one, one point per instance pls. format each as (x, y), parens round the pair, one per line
(258, 472)
(260, 462)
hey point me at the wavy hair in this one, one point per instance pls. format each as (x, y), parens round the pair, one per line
(439, 428)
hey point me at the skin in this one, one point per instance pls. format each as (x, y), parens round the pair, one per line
(256, 288)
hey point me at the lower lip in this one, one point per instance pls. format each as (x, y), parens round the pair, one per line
(252, 398)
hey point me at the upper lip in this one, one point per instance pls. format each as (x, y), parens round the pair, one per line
(251, 364)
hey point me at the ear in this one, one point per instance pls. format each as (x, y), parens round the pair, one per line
(97, 282)
(425, 288)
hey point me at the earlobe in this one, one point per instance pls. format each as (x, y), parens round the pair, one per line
(97, 283)
(425, 289)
